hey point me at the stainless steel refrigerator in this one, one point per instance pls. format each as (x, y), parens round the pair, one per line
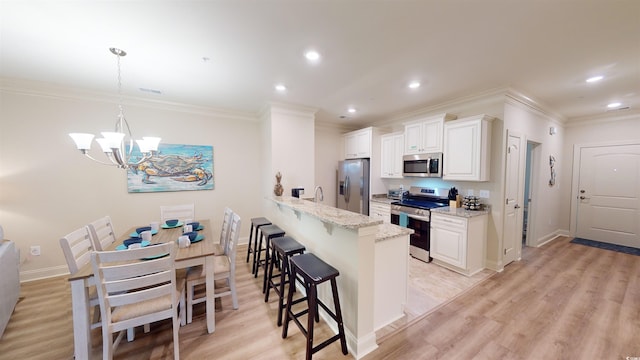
(353, 185)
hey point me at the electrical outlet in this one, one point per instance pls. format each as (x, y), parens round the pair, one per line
(484, 194)
(35, 250)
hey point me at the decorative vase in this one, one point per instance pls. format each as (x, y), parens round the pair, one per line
(278, 189)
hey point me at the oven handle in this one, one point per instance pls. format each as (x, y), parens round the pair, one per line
(416, 217)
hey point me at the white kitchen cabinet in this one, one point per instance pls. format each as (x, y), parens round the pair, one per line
(458, 243)
(357, 144)
(391, 155)
(380, 211)
(425, 135)
(467, 147)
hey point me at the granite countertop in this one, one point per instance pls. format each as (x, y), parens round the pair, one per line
(328, 214)
(388, 231)
(382, 198)
(461, 212)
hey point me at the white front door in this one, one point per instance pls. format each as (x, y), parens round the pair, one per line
(514, 197)
(609, 194)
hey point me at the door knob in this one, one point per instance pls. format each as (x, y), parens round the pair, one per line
(516, 206)
(582, 197)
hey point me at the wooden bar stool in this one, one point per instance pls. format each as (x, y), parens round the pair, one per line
(313, 272)
(283, 248)
(256, 223)
(267, 232)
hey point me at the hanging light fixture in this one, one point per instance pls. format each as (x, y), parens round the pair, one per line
(113, 144)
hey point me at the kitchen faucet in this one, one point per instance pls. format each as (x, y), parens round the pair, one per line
(315, 194)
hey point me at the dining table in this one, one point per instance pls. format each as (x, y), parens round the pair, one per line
(198, 253)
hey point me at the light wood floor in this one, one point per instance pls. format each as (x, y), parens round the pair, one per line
(562, 301)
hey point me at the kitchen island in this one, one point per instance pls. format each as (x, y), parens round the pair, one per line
(372, 257)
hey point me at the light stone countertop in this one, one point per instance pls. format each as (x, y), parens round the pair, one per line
(343, 218)
(328, 214)
(461, 212)
(388, 231)
(382, 199)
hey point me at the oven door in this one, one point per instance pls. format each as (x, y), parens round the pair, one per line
(420, 240)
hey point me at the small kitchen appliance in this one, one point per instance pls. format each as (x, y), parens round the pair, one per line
(296, 192)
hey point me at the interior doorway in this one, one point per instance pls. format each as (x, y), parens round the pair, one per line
(531, 158)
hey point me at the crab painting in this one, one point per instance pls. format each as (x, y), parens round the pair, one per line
(177, 167)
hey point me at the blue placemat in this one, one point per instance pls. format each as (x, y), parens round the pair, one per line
(135, 234)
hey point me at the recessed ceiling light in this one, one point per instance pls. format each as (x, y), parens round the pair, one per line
(312, 55)
(414, 85)
(595, 79)
(351, 110)
(614, 105)
(280, 87)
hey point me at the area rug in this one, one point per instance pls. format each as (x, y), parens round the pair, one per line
(607, 246)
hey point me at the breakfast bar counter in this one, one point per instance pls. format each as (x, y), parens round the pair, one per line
(372, 258)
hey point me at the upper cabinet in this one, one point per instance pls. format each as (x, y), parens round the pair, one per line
(391, 155)
(425, 135)
(357, 144)
(467, 146)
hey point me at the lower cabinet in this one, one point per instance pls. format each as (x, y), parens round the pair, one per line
(380, 211)
(458, 243)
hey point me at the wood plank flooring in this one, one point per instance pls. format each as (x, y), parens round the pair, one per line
(562, 301)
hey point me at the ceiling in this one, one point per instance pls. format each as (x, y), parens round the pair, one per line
(230, 54)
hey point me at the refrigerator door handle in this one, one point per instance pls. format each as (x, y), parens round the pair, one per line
(347, 188)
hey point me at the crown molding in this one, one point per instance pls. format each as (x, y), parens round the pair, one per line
(517, 98)
(610, 116)
(47, 90)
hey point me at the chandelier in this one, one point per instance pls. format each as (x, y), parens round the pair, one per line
(113, 144)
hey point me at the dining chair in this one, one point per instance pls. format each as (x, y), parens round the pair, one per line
(136, 287)
(220, 249)
(224, 267)
(180, 212)
(101, 232)
(77, 247)
(224, 231)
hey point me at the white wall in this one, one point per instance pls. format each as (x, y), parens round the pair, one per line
(48, 189)
(327, 153)
(599, 130)
(289, 137)
(547, 220)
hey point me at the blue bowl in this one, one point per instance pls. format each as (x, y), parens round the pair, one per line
(172, 222)
(132, 241)
(144, 228)
(194, 225)
(192, 235)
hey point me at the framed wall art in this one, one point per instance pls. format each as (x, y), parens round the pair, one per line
(173, 168)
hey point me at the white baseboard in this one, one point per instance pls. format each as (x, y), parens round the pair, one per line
(44, 273)
(550, 237)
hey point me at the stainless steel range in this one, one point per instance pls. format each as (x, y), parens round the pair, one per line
(413, 211)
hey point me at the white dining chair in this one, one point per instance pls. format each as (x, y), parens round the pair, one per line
(77, 247)
(180, 212)
(220, 249)
(137, 287)
(102, 234)
(224, 268)
(224, 231)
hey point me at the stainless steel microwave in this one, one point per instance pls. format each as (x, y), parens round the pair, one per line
(422, 165)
